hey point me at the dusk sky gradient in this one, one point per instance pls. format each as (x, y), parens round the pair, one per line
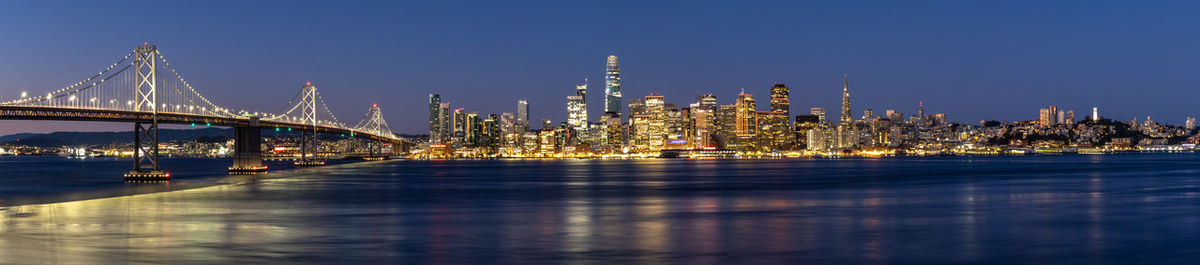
(973, 60)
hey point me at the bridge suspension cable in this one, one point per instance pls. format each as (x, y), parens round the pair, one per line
(374, 123)
(144, 81)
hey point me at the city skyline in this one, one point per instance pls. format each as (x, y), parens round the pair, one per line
(957, 63)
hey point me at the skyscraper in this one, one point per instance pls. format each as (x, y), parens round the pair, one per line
(461, 127)
(780, 100)
(435, 114)
(805, 123)
(577, 108)
(846, 116)
(820, 113)
(523, 115)
(657, 127)
(708, 102)
(639, 125)
(726, 127)
(612, 86)
(445, 123)
(745, 115)
(1049, 116)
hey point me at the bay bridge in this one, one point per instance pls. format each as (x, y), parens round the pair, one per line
(144, 89)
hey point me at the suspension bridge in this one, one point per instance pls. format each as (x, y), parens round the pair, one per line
(144, 89)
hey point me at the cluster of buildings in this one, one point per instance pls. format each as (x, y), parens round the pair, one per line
(646, 126)
(650, 126)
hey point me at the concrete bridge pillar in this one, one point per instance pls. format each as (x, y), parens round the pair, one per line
(247, 152)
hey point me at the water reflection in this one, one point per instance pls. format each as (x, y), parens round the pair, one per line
(1002, 210)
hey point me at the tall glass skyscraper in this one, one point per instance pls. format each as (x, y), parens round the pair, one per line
(577, 108)
(612, 86)
(523, 114)
(435, 114)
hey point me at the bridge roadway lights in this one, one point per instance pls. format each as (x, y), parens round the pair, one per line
(247, 152)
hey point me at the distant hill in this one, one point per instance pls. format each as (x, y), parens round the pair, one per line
(101, 138)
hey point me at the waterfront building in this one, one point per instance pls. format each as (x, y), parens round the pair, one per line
(490, 133)
(745, 115)
(805, 123)
(703, 127)
(474, 129)
(613, 131)
(612, 86)
(773, 131)
(657, 127)
(847, 136)
(639, 125)
(547, 141)
(687, 125)
(745, 126)
(820, 113)
(726, 127)
(821, 138)
(673, 119)
(529, 143)
(460, 128)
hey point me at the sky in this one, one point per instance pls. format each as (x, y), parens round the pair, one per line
(973, 60)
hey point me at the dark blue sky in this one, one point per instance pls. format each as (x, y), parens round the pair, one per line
(972, 60)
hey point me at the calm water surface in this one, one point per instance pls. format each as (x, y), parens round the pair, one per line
(1072, 209)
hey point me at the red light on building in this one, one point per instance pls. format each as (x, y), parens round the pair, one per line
(710, 148)
(437, 146)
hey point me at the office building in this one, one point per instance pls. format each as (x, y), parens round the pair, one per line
(612, 86)
(577, 108)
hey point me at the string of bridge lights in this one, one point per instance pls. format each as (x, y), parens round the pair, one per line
(207, 107)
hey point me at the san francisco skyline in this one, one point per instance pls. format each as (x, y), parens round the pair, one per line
(967, 60)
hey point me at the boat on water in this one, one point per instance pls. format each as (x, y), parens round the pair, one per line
(1018, 151)
(1055, 151)
(1096, 151)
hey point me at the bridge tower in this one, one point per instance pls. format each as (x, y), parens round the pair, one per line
(145, 134)
(375, 124)
(308, 116)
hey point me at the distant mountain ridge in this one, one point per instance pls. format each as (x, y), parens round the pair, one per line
(102, 138)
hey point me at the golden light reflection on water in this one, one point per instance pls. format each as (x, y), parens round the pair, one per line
(163, 224)
(566, 215)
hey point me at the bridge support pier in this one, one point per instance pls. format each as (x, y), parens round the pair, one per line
(145, 154)
(398, 149)
(247, 152)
